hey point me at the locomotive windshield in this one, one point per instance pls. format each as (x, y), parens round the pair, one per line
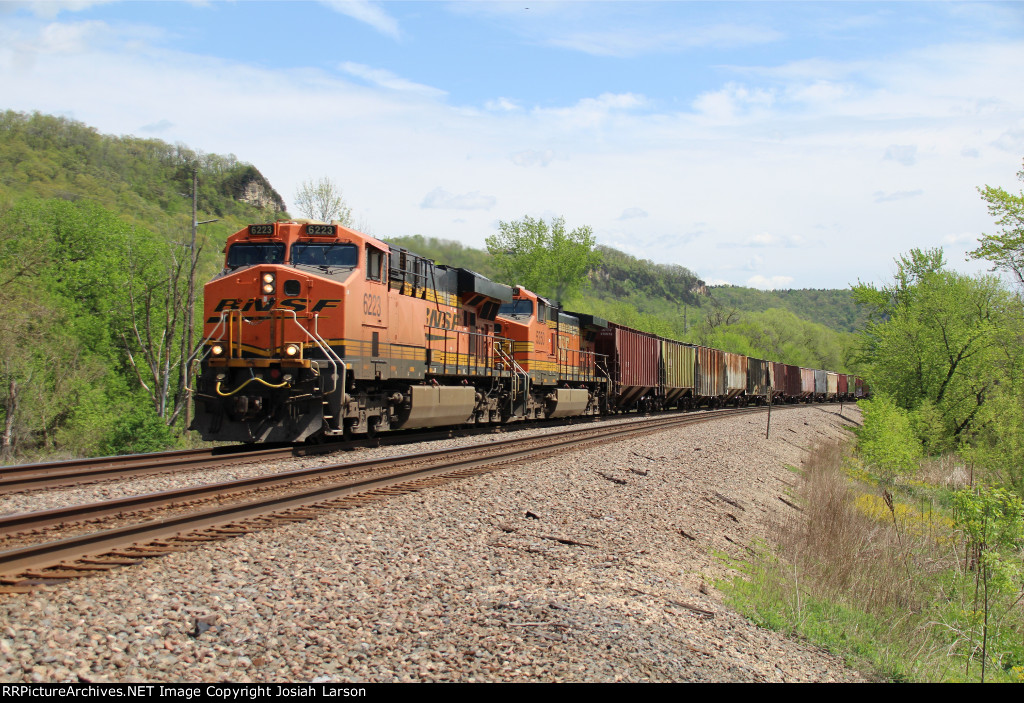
(250, 254)
(344, 255)
(516, 307)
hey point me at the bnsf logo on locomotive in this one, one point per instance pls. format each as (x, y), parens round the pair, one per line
(257, 304)
(443, 320)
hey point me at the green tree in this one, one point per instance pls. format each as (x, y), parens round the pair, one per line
(93, 303)
(1006, 249)
(887, 439)
(992, 520)
(322, 200)
(939, 336)
(544, 258)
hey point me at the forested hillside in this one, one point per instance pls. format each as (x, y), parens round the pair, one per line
(95, 256)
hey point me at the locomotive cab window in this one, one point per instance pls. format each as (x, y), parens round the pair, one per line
(325, 255)
(374, 263)
(516, 307)
(247, 254)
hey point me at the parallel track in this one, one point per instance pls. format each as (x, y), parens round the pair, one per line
(63, 474)
(78, 471)
(327, 488)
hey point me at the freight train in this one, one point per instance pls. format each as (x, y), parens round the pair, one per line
(314, 330)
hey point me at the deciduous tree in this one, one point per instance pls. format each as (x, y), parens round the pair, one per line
(544, 258)
(322, 200)
(1006, 249)
(939, 336)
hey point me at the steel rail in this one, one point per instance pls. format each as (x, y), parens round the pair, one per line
(76, 471)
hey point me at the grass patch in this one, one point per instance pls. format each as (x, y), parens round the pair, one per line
(881, 576)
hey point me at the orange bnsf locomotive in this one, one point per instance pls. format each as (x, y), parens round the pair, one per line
(316, 330)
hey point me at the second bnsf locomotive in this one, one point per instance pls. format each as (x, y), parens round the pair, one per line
(315, 330)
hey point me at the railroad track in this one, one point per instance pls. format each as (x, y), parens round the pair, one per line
(75, 472)
(60, 474)
(161, 523)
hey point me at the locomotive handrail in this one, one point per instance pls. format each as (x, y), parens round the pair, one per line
(202, 344)
(330, 354)
(516, 370)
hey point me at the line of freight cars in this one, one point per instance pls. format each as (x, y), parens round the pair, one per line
(649, 372)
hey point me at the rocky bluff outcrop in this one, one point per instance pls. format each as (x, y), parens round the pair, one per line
(247, 184)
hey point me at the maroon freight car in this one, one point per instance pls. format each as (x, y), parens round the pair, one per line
(633, 365)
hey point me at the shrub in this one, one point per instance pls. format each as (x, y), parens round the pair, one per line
(887, 439)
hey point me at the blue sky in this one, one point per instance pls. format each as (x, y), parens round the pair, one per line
(768, 144)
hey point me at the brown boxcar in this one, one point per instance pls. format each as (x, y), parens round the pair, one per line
(710, 374)
(820, 383)
(842, 385)
(633, 363)
(794, 382)
(806, 382)
(735, 374)
(778, 379)
(678, 361)
(758, 377)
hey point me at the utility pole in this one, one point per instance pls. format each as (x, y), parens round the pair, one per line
(188, 337)
(190, 309)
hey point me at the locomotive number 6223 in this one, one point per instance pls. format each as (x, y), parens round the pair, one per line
(371, 305)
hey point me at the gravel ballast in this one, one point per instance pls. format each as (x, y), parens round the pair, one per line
(572, 568)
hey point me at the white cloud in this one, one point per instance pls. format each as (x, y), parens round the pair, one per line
(51, 8)
(441, 199)
(160, 126)
(368, 12)
(727, 103)
(386, 79)
(502, 105)
(968, 238)
(883, 197)
(593, 112)
(770, 282)
(67, 38)
(769, 240)
(533, 157)
(648, 40)
(1011, 140)
(632, 213)
(905, 154)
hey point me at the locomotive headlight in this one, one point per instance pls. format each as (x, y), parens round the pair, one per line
(217, 350)
(291, 349)
(268, 283)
